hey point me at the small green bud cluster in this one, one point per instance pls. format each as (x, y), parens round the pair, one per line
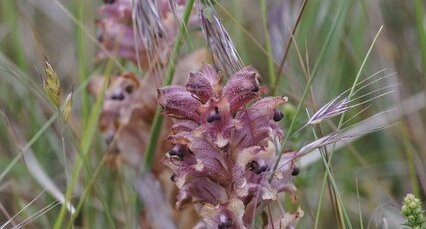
(413, 211)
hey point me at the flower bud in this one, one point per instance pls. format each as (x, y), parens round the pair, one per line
(413, 211)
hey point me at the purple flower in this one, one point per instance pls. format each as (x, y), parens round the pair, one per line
(223, 145)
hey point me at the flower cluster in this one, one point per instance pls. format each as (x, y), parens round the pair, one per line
(127, 112)
(225, 146)
(413, 211)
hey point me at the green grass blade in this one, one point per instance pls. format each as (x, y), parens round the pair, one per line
(85, 144)
(420, 17)
(271, 69)
(86, 191)
(9, 12)
(358, 75)
(339, 198)
(28, 145)
(318, 212)
(82, 60)
(361, 224)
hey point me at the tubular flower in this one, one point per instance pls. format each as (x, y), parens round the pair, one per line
(223, 146)
(119, 35)
(127, 112)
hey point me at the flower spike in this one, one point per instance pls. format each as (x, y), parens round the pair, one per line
(223, 145)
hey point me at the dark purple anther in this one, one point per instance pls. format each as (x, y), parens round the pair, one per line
(214, 115)
(173, 177)
(118, 96)
(255, 89)
(176, 151)
(278, 115)
(296, 171)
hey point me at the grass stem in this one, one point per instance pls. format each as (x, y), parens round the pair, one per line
(82, 60)
(287, 48)
(271, 69)
(85, 143)
(420, 17)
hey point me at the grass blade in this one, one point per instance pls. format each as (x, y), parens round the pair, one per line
(271, 69)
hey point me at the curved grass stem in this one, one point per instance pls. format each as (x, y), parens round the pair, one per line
(342, 11)
(85, 144)
(287, 48)
(327, 163)
(420, 14)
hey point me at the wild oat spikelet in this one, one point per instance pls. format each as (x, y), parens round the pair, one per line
(68, 107)
(51, 84)
(220, 44)
(413, 211)
(333, 108)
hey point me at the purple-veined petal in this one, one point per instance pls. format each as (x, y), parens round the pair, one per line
(204, 84)
(178, 103)
(242, 87)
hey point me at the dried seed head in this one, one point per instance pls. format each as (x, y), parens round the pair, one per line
(331, 109)
(150, 29)
(51, 84)
(220, 44)
(320, 142)
(68, 107)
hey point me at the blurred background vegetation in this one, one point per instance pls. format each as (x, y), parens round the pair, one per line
(372, 173)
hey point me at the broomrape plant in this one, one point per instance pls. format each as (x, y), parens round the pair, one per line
(207, 143)
(223, 148)
(225, 141)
